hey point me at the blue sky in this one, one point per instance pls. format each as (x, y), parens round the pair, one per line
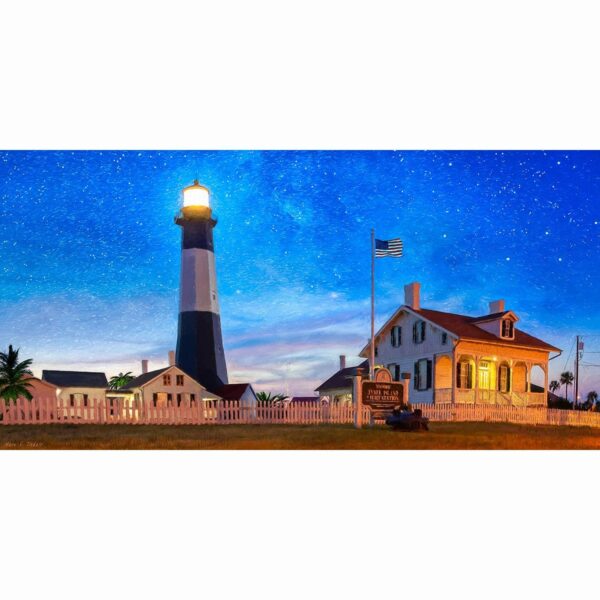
(89, 253)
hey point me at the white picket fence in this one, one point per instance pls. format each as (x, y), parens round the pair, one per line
(509, 414)
(215, 412)
(229, 412)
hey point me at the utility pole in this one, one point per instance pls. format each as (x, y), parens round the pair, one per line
(576, 373)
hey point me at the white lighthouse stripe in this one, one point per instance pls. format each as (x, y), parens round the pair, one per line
(198, 281)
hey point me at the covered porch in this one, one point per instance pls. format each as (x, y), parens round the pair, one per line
(488, 379)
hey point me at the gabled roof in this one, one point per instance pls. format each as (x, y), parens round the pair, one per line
(341, 378)
(466, 328)
(495, 316)
(142, 379)
(75, 379)
(233, 391)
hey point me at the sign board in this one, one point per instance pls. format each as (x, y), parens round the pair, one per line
(381, 397)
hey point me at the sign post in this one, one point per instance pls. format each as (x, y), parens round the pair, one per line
(357, 398)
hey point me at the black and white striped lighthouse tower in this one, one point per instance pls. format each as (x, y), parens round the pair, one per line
(199, 340)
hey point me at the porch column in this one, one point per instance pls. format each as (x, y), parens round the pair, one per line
(477, 379)
(453, 396)
(510, 379)
(546, 384)
(527, 382)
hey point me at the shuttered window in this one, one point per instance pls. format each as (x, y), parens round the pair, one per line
(464, 375)
(394, 369)
(419, 332)
(423, 375)
(503, 378)
(508, 330)
(396, 336)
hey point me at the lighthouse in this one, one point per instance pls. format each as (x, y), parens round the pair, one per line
(199, 341)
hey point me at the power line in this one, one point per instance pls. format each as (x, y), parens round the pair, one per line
(569, 356)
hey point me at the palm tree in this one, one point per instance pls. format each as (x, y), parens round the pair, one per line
(15, 376)
(554, 385)
(120, 380)
(566, 379)
(592, 399)
(268, 398)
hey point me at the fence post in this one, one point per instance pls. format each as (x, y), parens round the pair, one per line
(357, 398)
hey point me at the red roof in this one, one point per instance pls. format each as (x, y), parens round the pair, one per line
(464, 327)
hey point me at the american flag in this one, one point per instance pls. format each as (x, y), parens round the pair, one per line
(388, 247)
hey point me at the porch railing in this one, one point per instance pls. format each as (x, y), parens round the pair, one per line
(492, 397)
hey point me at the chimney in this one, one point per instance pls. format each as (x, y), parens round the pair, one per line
(412, 293)
(496, 306)
(342, 361)
(144, 366)
(171, 358)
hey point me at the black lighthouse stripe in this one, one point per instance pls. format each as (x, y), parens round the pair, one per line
(198, 234)
(200, 348)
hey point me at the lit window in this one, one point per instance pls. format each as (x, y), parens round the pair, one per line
(179, 379)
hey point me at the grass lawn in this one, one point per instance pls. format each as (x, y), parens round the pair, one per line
(442, 436)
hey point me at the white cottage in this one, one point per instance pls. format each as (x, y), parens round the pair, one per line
(455, 358)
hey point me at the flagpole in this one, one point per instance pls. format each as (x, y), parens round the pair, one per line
(372, 361)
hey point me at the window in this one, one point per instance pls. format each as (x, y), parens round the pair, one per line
(444, 338)
(154, 399)
(192, 398)
(376, 351)
(166, 380)
(503, 378)
(179, 379)
(178, 398)
(394, 369)
(508, 330)
(169, 398)
(85, 399)
(72, 399)
(136, 396)
(396, 336)
(419, 332)
(464, 375)
(422, 375)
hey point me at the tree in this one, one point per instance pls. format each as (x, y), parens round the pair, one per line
(271, 399)
(592, 400)
(554, 385)
(567, 379)
(15, 376)
(120, 380)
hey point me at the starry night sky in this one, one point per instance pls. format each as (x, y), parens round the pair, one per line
(89, 253)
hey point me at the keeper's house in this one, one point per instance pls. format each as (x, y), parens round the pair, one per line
(76, 388)
(460, 359)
